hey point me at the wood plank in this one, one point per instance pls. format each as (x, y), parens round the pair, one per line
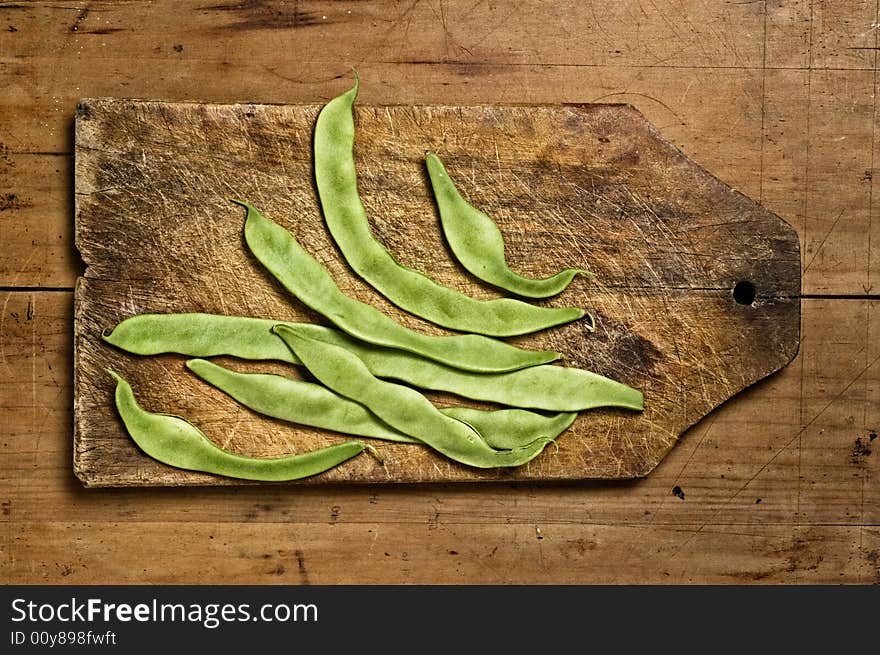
(842, 117)
(707, 34)
(591, 186)
(782, 154)
(627, 34)
(787, 31)
(840, 482)
(36, 214)
(375, 553)
(844, 34)
(749, 462)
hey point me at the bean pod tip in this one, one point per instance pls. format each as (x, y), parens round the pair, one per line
(591, 321)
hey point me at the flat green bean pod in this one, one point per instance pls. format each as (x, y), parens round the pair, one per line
(297, 401)
(200, 335)
(550, 388)
(408, 289)
(507, 429)
(478, 243)
(306, 279)
(178, 443)
(401, 407)
(312, 404)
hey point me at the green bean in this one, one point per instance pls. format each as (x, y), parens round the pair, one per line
(401, 407)
(306, 279)
(311, 404)
(200, 335)
(408, 289)
(296, 401)
(507, 429)
(176, 442)
(477, 242)
(550, 388)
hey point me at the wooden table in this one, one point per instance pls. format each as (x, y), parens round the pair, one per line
(778, 99)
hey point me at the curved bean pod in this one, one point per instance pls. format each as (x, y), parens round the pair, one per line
(550, 388)
(178, 443)
(306, 279)
(418, 294)
(401, 407)
(478, 244)
(507, 429)
(297, 401)
(312, 404)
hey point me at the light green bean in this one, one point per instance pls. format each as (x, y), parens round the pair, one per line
(547, 387)
(176, 442)
(200, 335)
(507, 429)
(306, 279)
(347, 221)
(401, 407)
(311, 404)
(478, 244)
(296, 401)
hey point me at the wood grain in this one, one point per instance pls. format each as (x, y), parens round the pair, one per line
(757, 92)
(778, 486)
(790, 82)
(285, 553)
(591, 186)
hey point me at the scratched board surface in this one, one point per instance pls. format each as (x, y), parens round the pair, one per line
(592, 186)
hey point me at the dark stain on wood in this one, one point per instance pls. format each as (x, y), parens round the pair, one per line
(800, 557)
(10, 201)
(103, 31)
(629, 356)
(301, 566)
(83, 111)
(873, 559)
(269, 15)
(238, 6)
(861, 449)
(80, 17)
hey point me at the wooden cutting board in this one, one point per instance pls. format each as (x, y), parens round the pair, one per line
(593, 186)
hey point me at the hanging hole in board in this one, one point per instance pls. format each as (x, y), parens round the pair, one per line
(744, 292)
